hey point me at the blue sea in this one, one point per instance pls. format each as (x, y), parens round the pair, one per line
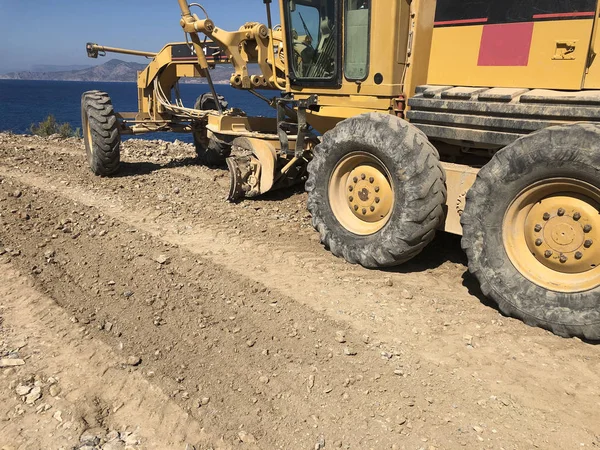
(25, 102)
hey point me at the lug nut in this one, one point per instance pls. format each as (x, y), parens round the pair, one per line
(563, 259)
(548, 253)
(371, 180)
(377, 199)
(588, 243)
(376, 188)
(364, 211)
(350, 188)
(372, 208)
(587, 228)
(546, 216)
(576, 216)
(538, 242)
(363, 176)
(538, 228)
(578, 255)
(355, 207)
(351, 198)
(355, 179)
(561, 212)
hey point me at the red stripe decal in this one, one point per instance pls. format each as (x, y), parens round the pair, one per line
(560, 15)
(460, 22)
(506, 44)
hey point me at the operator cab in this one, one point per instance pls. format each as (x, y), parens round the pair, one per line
(315, 41)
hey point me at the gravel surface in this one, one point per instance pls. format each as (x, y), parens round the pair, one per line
(145, 311)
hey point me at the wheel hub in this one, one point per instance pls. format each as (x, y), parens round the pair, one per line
(369, 193)
(559, 231)
(551, 234)
(361, 195)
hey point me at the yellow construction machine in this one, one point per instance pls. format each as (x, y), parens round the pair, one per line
(408, 117)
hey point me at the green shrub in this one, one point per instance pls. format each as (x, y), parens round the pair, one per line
(50, 126)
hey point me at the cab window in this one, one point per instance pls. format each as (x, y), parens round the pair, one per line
(356, 65)
(313, 39)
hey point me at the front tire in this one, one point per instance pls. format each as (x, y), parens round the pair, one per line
(100, 133)
(376, 190)
(211, 150)
(531, 230)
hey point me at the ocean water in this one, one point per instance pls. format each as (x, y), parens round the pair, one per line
(25, 102)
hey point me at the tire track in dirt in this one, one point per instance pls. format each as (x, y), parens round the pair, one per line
(88, 374)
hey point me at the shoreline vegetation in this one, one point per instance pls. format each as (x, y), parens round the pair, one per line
(50, 127)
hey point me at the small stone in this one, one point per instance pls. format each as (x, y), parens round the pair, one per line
(54, 390)
(406, 295)
(399, 372)
(246, 437)
(108, 326)
(311, 381)
(340, 336)
(17, 194)
(320, 443)
(23, 390)
(131, 440)
(250, 343)
(34, 395)
(11, 362)
(468, 340)
(478, 429)
(388, 282)
(58, 416)
(162, 259)
(349, 351)
(112, 436)
(133, 361)
(264, 379)
(111, 283)
(49, 254)
(127, 294)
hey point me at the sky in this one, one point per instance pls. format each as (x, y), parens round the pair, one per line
(54, 32)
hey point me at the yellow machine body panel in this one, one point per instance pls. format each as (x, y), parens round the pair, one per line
(592, 77)
(528, 44)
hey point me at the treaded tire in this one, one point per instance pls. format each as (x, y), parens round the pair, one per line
(418, 184)
(211, 150)
(571, 151)
(103, 142)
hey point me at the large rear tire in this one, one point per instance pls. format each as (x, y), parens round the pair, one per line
(100, 133)
(376, 190)
(211, 150)
(531, 230)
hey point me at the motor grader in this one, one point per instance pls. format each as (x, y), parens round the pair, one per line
(408, 117)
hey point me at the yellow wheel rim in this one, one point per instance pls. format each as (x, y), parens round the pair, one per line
(551, 234)
(88, 132)
(361, 194)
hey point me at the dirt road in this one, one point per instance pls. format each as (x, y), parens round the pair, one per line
(163, 317)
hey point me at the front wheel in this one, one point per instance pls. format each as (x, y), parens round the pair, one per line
(531, 230)
(210, 149)
(100, 133)
(376, 190)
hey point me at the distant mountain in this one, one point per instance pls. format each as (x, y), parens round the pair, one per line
(113, 70)
(54, 68)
